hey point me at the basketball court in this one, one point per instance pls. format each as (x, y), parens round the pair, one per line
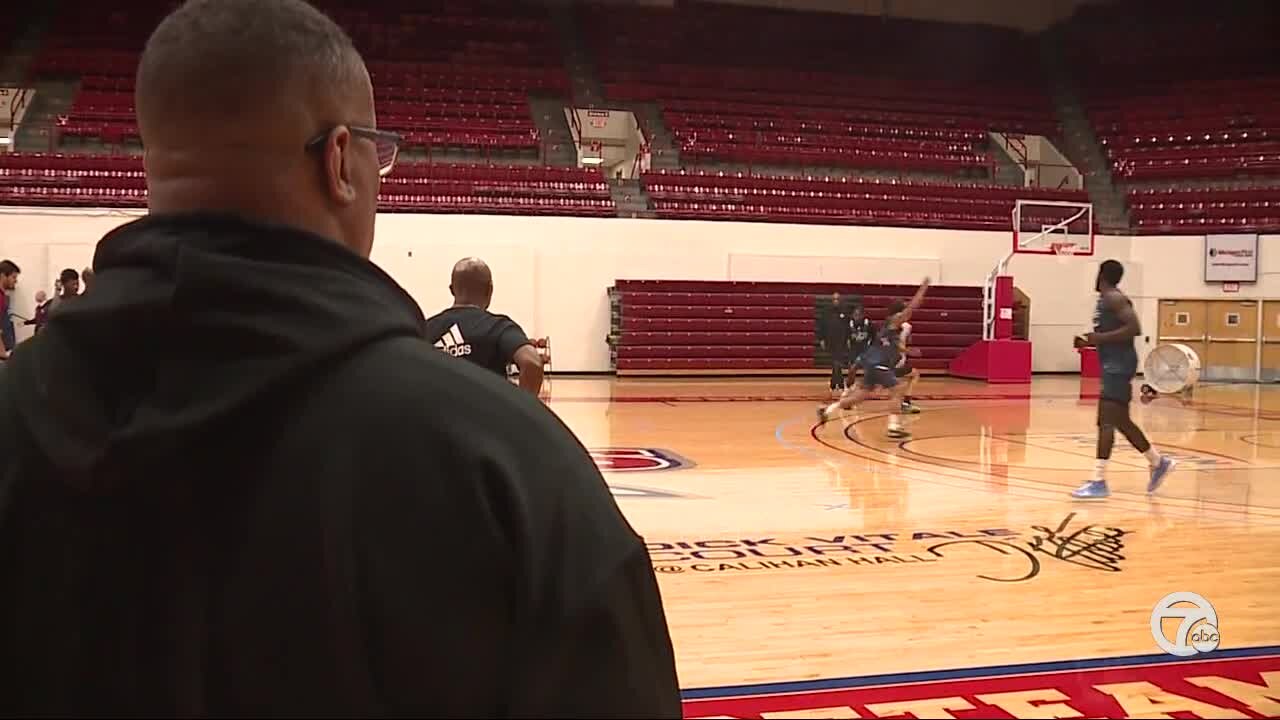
(822, 570)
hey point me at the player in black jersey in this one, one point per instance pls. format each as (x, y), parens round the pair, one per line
(861, 333)
(878, 363)
(469, 331)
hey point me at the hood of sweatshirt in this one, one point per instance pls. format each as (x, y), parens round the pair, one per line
(190, 319)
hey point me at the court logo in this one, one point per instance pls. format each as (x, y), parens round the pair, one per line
(633, 459)
(1198, 631)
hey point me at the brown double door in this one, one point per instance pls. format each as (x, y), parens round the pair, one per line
(1224, 333)
(1271, 341)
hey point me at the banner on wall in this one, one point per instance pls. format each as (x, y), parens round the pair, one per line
(1231, 258)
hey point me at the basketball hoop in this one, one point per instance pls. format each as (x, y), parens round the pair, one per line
(1065, 230)
(1063, 250)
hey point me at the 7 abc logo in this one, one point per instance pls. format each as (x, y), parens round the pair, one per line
(1197, 630)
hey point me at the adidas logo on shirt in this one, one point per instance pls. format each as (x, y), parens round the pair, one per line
(453, 343)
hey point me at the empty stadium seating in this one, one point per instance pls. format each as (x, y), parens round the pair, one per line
(494, 189)
(1193, 211)
(1191, 100)
(447, 74)
(843, 200)
(118, 181)
(1194, 95)
(819, 89)
(673, 326)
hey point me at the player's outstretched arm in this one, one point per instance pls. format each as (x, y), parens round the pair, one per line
(1129, 325)
(916, 301)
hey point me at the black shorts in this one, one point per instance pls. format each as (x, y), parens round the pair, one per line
(1117, 387)
(875, 376)
(903, 370)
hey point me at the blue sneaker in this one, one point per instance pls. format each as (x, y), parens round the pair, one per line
(1092, 490)
(1161, 471)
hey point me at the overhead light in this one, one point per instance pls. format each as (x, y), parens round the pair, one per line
(592, 161)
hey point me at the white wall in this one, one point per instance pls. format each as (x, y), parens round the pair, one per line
(1173, 268)
(551, 274)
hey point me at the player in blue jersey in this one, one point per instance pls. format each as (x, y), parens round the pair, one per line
(905, 371)
(878, 364)
(1115, 325)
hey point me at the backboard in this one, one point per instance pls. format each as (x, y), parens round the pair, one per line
(1053, 227)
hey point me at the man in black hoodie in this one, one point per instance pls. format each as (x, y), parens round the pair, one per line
(238, 481)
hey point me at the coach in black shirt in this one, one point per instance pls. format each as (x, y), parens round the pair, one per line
(235, 480)
(833, 328)
(469, 331)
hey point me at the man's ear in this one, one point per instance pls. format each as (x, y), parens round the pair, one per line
(337, 166)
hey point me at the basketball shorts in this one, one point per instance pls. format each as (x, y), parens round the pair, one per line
(878, 376)
(903, 370)
(1117, 387)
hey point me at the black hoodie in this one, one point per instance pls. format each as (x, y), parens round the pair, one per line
(237, 480)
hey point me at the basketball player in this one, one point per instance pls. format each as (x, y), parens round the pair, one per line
(861, 333)
(1115, 325)
(878, 363)
(905, 370)
(469, 331)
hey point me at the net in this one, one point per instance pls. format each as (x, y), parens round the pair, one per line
(1064, 251)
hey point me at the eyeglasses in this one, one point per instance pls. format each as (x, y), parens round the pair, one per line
(387, 143)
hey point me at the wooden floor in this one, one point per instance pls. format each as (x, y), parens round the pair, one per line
(790, 552)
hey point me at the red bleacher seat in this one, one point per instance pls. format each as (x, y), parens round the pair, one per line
(1201, 210)
(1194, 95)
(826, 89)
(678, 325)
(451, 76)
(713, 196)
(119, 181)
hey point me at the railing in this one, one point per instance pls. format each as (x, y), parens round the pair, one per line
(1017, 144)
(1070, 173)
(642, 160)
(19, 101)
(576, 124)
(989, 297)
